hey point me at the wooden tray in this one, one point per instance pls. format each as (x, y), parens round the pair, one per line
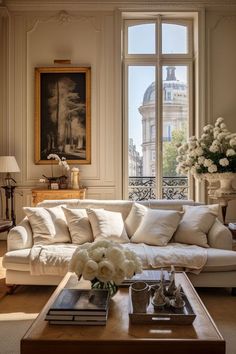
(166, 315)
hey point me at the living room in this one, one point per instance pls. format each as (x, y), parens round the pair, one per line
(91, 39)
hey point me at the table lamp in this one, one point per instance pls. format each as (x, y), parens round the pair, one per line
(8, 164)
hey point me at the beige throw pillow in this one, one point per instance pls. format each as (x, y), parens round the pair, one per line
(79, 225)
(135, 218)
(157, 227)
(195, 224)
(48, 225)
(107, 224)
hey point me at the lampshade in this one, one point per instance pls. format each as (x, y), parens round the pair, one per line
(8, 164)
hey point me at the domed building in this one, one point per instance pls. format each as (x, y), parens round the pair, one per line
(175, 112)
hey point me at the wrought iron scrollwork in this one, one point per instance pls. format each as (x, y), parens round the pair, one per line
(144, 188)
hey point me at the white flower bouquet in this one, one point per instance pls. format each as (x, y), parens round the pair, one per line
(213, 152)
(61, 161)
(104, 262)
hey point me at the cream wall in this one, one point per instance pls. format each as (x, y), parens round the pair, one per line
(34, 33)
(221, 72)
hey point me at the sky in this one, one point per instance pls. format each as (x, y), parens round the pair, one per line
(141, 40)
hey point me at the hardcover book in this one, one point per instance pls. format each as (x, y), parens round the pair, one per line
(80, 302)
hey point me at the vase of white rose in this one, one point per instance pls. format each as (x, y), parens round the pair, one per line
(105, 263)
(211, 157)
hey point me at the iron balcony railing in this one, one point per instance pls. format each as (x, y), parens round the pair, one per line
(143, 188)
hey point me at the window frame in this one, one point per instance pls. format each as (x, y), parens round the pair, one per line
(158, 60)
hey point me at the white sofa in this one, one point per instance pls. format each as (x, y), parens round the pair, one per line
(219, 270)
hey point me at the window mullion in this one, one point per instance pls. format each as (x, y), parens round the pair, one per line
(158, 114)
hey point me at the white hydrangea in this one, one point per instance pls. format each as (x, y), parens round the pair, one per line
(199, 151)
(208, 162)
(224, 162)
(232, 142)
(214, 148)
(201, 160)
(212, 168)
(208, 128)
(222, 126)
(219, 121)
(230, 152)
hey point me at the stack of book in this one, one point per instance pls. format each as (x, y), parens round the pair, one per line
(80, 307)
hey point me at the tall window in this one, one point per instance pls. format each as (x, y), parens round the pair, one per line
(158, 60)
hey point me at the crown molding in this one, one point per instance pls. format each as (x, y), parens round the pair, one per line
(101, 5)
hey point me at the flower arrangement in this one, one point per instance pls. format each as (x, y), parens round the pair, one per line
(105, 263)
(61, 161)
(57, 180)
(213, 152)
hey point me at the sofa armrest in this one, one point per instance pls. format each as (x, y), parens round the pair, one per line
(20, 236)
(219, 236)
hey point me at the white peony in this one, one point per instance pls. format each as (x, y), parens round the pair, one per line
(97, 254)
(119, 275)
(106, 271)
(129, 268)
(105, 260)
(116, 255)
(90, 270)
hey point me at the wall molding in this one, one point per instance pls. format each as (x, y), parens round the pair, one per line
(63, 18)
(220, 20)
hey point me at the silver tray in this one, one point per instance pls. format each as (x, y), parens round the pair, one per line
(164, 315)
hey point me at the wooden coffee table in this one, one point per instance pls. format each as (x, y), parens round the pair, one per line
(121, 337)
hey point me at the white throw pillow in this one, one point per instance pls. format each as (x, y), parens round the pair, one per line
(195, 224)
(79, 225)
(135, 218)
(107, 224)
(48, 225)
(157, 227)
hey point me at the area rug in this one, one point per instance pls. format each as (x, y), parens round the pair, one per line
(17, 311)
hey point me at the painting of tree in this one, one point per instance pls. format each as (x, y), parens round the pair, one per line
(63, 114)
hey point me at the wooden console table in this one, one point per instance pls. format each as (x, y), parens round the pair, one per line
(39, 195)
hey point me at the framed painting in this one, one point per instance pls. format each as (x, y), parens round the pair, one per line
(63, 114)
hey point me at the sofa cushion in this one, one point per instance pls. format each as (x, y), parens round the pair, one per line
(157, 227)
(120, 206)
(48, 225)
(107, 224)
(79, 225)
(134, 218)
(195, 224)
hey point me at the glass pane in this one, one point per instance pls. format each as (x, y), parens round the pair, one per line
(175, 127)
(174, 39)
(141, 116)
(141, 39)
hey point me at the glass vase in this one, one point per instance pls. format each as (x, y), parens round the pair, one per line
(109, 285)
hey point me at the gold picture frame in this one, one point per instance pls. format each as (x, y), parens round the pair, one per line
(63, 114)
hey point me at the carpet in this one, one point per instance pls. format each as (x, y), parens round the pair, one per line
(17, 311)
